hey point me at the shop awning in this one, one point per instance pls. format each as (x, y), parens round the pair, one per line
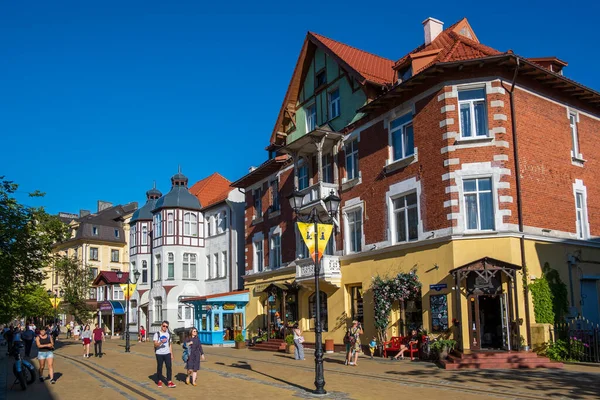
(240, 297)
(112, 306)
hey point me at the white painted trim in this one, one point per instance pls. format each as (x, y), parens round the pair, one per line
(451, 161)
(500, 157)
(354, 207)
(396, 190)
(579, 187)
(446, 122)
(449, 107)
(497, 103)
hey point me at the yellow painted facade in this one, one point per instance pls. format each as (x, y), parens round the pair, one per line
(432, 263)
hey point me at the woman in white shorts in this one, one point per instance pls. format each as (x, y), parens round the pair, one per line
(45, 346)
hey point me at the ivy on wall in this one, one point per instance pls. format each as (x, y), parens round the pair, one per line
(560, 301)
(542, 301)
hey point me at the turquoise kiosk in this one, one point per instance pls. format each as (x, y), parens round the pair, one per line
(220, 317)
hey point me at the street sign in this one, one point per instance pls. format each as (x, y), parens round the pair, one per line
(438, 287)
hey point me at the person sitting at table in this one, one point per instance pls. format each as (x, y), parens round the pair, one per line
(414, 339)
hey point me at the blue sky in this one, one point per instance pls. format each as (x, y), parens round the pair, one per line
(100, 99)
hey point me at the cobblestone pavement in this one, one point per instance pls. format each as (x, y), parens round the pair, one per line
(247, 374)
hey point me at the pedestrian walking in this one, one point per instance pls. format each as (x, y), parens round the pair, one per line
(195, 354)
(354, 340)
(86, 336)
(45, 346)
(98, 335)
(298, 340)
(28, 335)
(163, 348)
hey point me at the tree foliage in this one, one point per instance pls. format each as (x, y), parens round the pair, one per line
(75, 282)
(542, 301)
(27, 235)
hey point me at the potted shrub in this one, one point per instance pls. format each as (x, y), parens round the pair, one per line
(289, 341)
(442, 347)
(240, 342)
(522, 344)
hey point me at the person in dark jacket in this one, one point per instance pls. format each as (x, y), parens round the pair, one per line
(195, 353)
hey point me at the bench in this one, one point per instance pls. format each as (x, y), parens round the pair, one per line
(395, 344)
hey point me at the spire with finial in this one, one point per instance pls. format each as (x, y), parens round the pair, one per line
(154, 193)
(179, 179)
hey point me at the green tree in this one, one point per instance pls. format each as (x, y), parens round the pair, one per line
(27, 236)
(76, 280)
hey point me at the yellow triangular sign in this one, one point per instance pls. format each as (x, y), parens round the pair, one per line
(55, 301)
(128, 289)
(307, 230)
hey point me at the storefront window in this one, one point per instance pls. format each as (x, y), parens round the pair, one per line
(291, 308)
(414, 314)
(216, 319)
(439, 313)
(204, 322)
(356, 303)
(312, 304)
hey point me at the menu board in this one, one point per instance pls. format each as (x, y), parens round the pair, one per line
(439, 313)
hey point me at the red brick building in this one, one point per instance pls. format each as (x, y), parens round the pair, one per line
(470, 166)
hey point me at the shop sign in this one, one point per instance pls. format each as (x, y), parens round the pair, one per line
(105, 306)
(206, 307)
(228, 307)
(438, 287)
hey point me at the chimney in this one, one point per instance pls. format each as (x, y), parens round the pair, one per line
(433, 27)
(84, 213)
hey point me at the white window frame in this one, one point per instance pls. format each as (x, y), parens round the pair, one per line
(347, 235)
(188, 266)
(158, 311)
(208, 269)
(311, 117)
(158, 263)
(112, 253)
(573, 125)
(404, 209)
(117, 293)
(477, 192)
(170, 265)
(209, 226)
(257, 198)
(216, 259)
(187, 223)
(471, 103)
(275, 251)
(158, 225)
(144, 234)
(224, 264)
(144, 269)
(582, 228)
(327, 168)
(353, 144)
(334, 103)
(403, 136)
(170, 222)
(259, 255)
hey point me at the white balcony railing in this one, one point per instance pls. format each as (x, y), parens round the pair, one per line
(330, 270)
(317, 192)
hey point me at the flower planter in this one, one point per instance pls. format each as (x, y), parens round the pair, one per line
(240, 345)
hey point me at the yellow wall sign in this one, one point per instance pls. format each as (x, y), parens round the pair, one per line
(307, 230)
(228, 306)
(128, 289)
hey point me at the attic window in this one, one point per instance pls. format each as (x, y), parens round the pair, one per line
(404, 74)
(95, 230)
(116, 233)
(321, 79)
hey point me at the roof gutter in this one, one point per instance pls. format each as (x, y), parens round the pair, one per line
(513, 118)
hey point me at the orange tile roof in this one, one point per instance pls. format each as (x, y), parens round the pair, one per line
(372, 67)
(211, 190)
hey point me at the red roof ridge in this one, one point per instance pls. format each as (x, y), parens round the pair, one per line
(211, 190)
(318, 36)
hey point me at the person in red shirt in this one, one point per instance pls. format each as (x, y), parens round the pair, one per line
(98, 339)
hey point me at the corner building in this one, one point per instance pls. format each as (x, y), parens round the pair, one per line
(470, 166)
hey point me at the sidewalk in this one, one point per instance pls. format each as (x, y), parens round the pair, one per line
(247, 374)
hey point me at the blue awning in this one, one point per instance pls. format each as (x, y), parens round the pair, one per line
(114, 306)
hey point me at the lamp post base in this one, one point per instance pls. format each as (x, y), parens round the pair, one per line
(127, 346)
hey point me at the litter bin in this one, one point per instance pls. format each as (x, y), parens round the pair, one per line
(329, 346)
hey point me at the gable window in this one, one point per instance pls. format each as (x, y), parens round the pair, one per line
(581, 210)
(401, 130)
(144, 271)
(258, 256)
(116, 233)
(144, 234)
(275, 195)
(189, 266)
(170, 223)
(321, 79)
(351, 150)
(257, 203)
(479, 205)
(406, 218)
(355, 230)
(275, 256)
(95, 230)
(334, 104)
(327, 170)
(114, 255)
(303, 176)
(170, 266)
(311, 118)
(158, 268)
(93, 253)
(574, 136)
(473, 113)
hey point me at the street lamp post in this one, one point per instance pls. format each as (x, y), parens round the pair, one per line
(136, 275)
(56, 294)
(331, 204)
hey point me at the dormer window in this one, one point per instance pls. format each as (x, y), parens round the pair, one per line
(404, 74)
(95, 230)
(116, 233)
(321, 79)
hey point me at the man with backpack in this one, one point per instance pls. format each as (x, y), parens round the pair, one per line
(163, 348)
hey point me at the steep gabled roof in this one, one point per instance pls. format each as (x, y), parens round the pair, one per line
(367, 68)
(211, 190)
(266, 169)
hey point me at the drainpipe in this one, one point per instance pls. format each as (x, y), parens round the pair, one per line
(520, 204)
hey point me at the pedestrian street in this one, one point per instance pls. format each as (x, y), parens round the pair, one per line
(247, 374)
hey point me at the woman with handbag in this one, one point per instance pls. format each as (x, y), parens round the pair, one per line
(298, 340)
(195, 354)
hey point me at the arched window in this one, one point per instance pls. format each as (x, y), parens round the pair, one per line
(193, 224)
(170, 223)
(312, 304)
(186, 223)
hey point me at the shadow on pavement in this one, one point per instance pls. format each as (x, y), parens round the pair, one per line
(244, 365)
(556, 383)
